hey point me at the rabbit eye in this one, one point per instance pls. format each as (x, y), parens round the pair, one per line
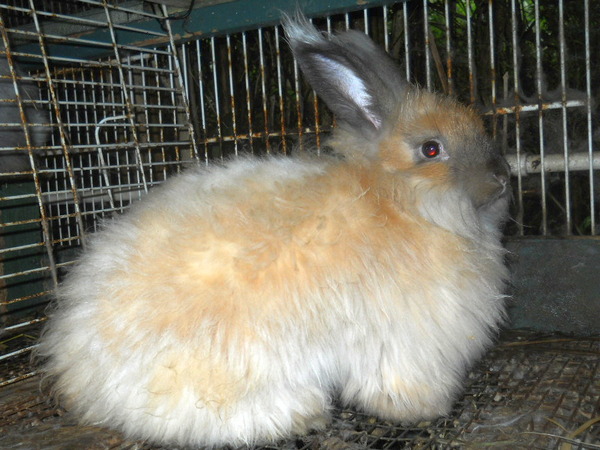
(431, 149)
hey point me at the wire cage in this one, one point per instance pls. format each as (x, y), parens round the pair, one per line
(103, 100)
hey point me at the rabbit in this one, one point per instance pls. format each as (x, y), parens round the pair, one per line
(236, 303)
(17, 160)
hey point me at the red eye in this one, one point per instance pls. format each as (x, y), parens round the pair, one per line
(431, 149)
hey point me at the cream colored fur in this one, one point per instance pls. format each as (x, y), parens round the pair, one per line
(233, 303)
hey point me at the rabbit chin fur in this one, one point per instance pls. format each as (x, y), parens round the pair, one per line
(233, 303)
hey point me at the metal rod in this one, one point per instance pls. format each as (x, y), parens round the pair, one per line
(470, 58)
(201, 96)
(406, 40)
(449, 51)
(531, 164)
(247, 86)
(299, 106)
(84, 42)
(519, 108)
(263, 87)
(493, 89)
(232, 95)
(146, 101)
(563, 93)
(162, 125)
(280, 93)
(540, 91)
(515, 56)
(427, 44)
(316, 101)
(386, 31)
(24, 324)
(590, 128)
(217, 97)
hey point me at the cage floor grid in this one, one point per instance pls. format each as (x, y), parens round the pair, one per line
(529, 392)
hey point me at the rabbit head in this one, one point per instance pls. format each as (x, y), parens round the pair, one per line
(383, 119)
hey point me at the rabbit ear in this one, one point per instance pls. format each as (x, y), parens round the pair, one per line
(357, 79)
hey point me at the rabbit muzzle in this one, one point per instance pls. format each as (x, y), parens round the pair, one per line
(490, 185)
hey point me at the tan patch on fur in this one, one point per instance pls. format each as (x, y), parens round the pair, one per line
(436, 173)
(395, 153)
(435, 112)
(446, 114)
(240, 266)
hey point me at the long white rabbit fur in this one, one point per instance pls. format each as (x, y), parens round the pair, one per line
(235, 303)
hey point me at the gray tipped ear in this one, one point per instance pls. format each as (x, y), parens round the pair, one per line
(357, 80)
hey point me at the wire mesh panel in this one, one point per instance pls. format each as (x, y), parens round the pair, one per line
(89, 124)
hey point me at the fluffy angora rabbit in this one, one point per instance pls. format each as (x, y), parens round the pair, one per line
(233, 303)
(14, 136)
